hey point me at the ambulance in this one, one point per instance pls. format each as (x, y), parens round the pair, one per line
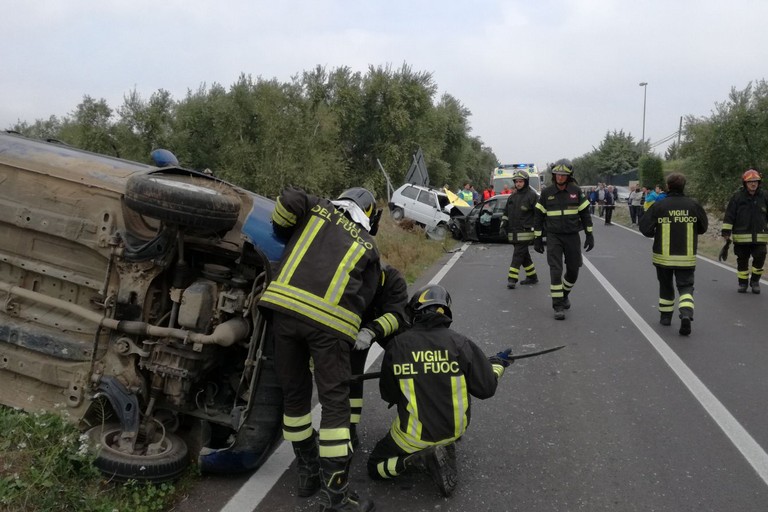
(502, 175)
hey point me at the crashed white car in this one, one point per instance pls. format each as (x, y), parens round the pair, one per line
(431, 208)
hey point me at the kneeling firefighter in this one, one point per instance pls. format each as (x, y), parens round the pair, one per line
(429, 372)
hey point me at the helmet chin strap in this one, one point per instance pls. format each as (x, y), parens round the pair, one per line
(355, 213)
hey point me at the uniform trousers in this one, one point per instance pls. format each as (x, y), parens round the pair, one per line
(743, 252)
(563, 247)
(295, 342)
(683, 278)
(521, 258)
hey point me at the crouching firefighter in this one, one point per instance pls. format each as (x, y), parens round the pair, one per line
(327, 279)
(430, 371)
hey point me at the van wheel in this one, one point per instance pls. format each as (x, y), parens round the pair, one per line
(438, 232)
(184, 200)
(167, 464)
(397, 213)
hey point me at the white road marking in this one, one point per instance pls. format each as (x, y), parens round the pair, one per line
(262, 480)
(748, 447)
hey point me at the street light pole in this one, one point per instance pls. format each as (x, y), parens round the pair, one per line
(644, 85)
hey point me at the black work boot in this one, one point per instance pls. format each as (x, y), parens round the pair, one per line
(685, 325)
(336, 496)
(755, 286)
(511, 283)
(742, 287)
(559, 313)
(441, 466)
(666, 319)
(530, 280)
(307, 467)
(566, 302)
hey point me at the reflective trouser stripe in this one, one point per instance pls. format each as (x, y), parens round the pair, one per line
(297, 428)
(666, 306)
(356, 409)
(685, 301)
(334, 442)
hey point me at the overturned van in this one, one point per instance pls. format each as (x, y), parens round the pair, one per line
(128, 301)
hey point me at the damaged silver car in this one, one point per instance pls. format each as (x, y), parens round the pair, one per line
(128, 300)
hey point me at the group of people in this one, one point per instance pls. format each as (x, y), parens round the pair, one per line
(603, 199)
(331, 298)
(557, 216)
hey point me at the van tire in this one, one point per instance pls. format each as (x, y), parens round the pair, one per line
(180, 199)
(165, 466)
(397, 213)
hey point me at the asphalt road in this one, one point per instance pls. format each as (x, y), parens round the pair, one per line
(630, 416)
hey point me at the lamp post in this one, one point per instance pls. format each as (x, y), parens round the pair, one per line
(644, 85)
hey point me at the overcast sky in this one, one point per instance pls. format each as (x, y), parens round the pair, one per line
(544, 79)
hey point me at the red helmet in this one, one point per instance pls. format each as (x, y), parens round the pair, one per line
(751, 175)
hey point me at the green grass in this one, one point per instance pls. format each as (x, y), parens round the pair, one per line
(46, 466)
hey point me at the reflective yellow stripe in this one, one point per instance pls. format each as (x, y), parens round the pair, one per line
(513, 273)
(742, 274)
(686, 301)
(498, 370)
(341, 278)
(334, 434)
(524, 236)
(664, 240)
(313, 307)
(341, 450)
(388, 322)
(727, 227)
(297, 254)
(297, 421)
(297, 428)
(541, 208)
(674, 261)
(356, 402)
(558, 213)
(584, 205)
(459, 393)
(689, 249)
(281, 216)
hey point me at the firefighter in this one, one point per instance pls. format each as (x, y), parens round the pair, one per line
(562, 211)
(326, 281)
(517, 221)
(746, 223)
(675, 223)
(429, 372)
(384, 317)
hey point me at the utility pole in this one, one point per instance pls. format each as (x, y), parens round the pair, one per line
(644, 85)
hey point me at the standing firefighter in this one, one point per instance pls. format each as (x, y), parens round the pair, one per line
(517, 221)
(429, 372)
(384, 317)
(675, 224)
(562, 211)
(326, 281)
(746, 223)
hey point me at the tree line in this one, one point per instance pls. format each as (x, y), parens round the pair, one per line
(325, 130)
(713, 153)
(329, 129)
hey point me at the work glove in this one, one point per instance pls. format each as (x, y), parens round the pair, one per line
(589, 242)
(502, 358)
(503, 228)
(364, 339)
(538, 245)
(499, 362)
